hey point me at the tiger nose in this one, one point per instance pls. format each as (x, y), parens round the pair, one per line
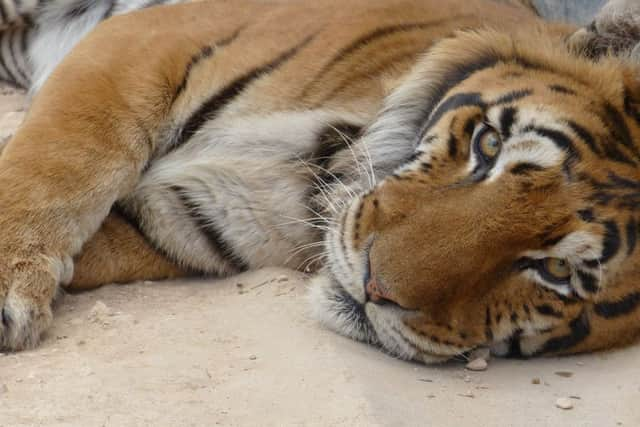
(376, 291)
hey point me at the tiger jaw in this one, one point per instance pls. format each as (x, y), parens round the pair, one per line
(380, 326)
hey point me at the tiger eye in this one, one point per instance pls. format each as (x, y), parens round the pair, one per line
(558, 268)
(490, 144)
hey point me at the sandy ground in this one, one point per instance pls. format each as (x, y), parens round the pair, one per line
(244, 352)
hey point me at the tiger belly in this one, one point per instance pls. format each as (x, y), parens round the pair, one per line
(237, 195)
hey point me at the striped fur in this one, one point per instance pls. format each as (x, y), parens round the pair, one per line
(216, 137)
(37, 34)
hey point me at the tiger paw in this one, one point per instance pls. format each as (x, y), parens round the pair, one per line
(615, 30)
(27, 289)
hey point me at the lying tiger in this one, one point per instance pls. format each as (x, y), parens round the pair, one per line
(457, 189)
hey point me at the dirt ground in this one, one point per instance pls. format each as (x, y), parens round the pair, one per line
(244, 352)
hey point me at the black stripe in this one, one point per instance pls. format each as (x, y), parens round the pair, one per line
(588, 281)
(562, 141)
(618, 129)
(515, 351)
(631, 107)
(3, 13)
(19, 57)
(205, 53)
(333, 139)
(213, 234)
(562, 89)
(612, 152)
(79, 8)
(152, 3)
(580, 330)
(632, 235)
(618, 181)
(209, 109)
(586, 215)
(452, 143)
(547, 310)
(366, 39)
(610, 245)
(624, 306)
(488, 333)
(585, 136)
(107, 13)
(3, 65)
(525, 168)
(452, 103)
(352, 78)
(513, 96)
(507, 118)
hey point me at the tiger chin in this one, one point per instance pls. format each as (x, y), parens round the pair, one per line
(465, 177)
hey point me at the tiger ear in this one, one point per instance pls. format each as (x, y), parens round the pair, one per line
(615, 31)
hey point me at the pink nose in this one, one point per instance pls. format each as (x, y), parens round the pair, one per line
(377, 291)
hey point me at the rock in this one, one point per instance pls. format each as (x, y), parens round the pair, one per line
(477, 365)
(564, 403)
(468, 394)
(535, 381)
(100, 313)
(564, 374)
(3, 389)
(253, 357)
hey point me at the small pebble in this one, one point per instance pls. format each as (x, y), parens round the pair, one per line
(564, 374)
(564, 403)
(535, 381)
(480, 353)
(468, 394)
(253, 357)
(477, 365)
(431, 396)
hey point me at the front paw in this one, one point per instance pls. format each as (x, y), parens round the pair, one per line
(614, 31)
(27, 289)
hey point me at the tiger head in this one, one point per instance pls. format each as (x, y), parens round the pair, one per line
(514, 222)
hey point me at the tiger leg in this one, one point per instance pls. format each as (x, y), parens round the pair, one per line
(90, 133)
(118, 253)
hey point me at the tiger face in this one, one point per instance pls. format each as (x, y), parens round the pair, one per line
(512, 224)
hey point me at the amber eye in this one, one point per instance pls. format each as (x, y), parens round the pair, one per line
(556, 270)
(488, 143)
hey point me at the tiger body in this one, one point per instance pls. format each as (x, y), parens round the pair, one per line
(215, 137)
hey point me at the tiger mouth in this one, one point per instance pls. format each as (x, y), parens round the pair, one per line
(352, 320)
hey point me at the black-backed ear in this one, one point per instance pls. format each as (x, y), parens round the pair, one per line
(615, 31)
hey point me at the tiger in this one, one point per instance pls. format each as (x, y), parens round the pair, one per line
(453, 177)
